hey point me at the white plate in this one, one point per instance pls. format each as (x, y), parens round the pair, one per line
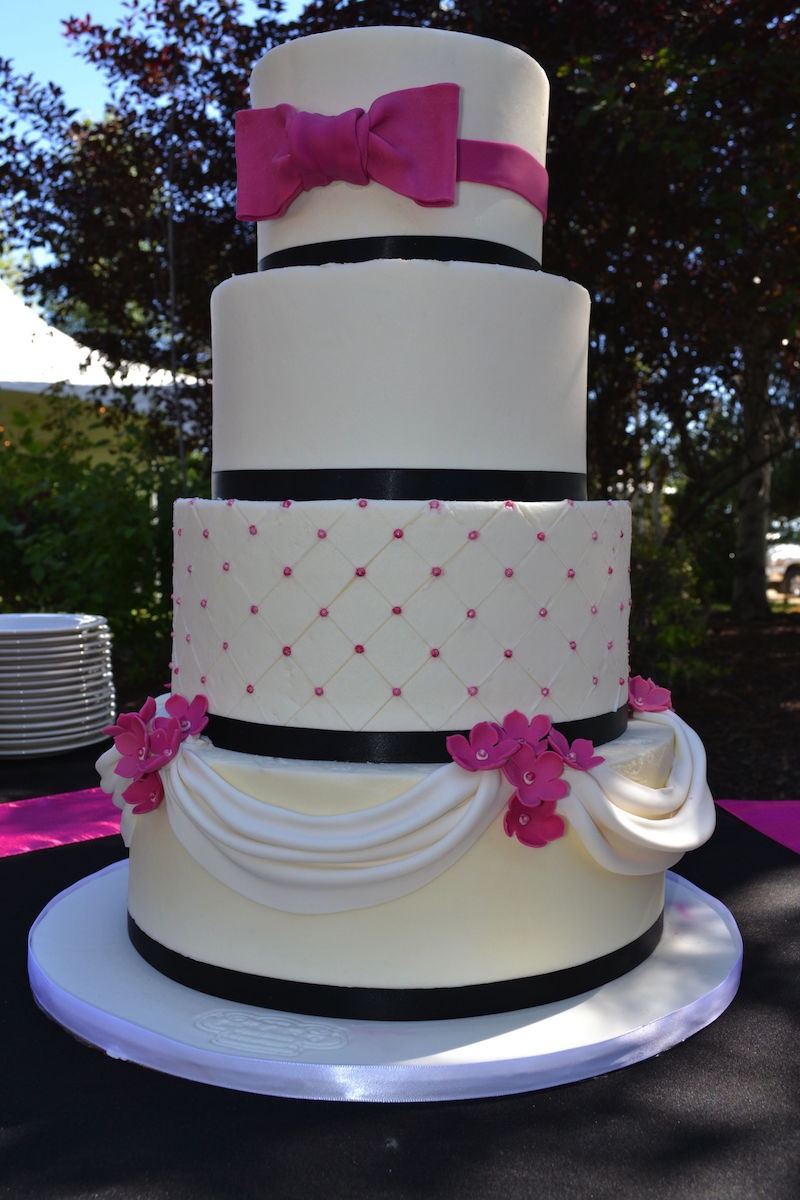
(42, 644)
(42, 727)
(47, 624)
(44, 749)
(15, 654)
(60, 706)
(92, 671)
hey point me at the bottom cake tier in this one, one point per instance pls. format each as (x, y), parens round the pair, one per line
(408, 892)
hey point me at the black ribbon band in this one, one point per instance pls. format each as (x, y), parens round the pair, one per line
(389, 1004)
(336, 745)
(386, 483)
(413, 246)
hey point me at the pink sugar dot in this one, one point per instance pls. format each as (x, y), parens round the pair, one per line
(621, 681)
(573, 645)
(322, 533)
(472, 690)
(595, 680)
(610, 646)
(253, 530)
(434, 504)
(188, 568)
(250, 689)
(286, 504)
(202, 678)
(542, 612)
(224, 645)
(397, 610)
(204, 603)
(509, 504)
(188, 637)
(540, 537)
(226, 566)
(595, 535)
(396, 691)
(545, 691)
(319, 691)
(398, 533)
(571, 503)
(178, 601)
(323, 612)
(192, 501)
(434, 653)
(611, 570)
(254, 608)
(622, 533)
(287, 571)
(180, 531)
(359, 649)
(473, 535)
(621, 606)
(361, 572)
(362, 504)
(471, 613)
(593, 610)
(509, 572)
(205, 533)
(287, 651)
(172, 633)
(436, 572)
(508, 654)
(230, 503)
(571, 573)
(177, 671)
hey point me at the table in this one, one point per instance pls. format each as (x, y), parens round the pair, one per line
(718, 1116)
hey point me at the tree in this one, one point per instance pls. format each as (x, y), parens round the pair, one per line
(671, 156)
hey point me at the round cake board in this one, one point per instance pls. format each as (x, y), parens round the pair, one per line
(86, 976)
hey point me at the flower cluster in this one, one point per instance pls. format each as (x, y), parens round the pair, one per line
(532, 756)
(146, 743)
(646, 696)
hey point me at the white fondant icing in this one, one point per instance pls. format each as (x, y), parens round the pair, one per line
(333, 72)
(312, 368)
(533, 611)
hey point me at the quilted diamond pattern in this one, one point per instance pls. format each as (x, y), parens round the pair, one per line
(401, 615)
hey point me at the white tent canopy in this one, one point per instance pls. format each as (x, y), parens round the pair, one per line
(34, 356)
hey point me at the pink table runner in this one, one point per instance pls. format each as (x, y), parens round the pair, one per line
(56, 820)
(79, 816)
(778, 819)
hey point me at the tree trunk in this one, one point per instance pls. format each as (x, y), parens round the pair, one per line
(749, 583)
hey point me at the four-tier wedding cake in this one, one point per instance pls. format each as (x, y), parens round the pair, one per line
(403, 771)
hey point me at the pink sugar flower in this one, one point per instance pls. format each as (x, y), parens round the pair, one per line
(532, 733)
(132, 741)
(646, 696)
(486, 749)
(165, 738)
(533, 826)
(579, 755)
(191, 716)
(537, 777)
(144, 794)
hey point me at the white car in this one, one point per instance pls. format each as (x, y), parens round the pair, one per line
(783, 568)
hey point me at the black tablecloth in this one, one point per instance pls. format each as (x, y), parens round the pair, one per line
(718, 1116)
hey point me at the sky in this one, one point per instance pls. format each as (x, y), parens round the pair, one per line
(31, 35)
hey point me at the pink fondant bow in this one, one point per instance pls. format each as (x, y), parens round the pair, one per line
(407, 141)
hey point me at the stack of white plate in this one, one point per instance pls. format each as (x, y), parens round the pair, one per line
(56, 683)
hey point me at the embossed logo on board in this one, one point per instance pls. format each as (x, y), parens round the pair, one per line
(273, 1035)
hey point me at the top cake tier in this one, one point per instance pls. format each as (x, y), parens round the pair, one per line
(492, 124)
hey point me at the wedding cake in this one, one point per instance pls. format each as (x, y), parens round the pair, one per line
(403, 771)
